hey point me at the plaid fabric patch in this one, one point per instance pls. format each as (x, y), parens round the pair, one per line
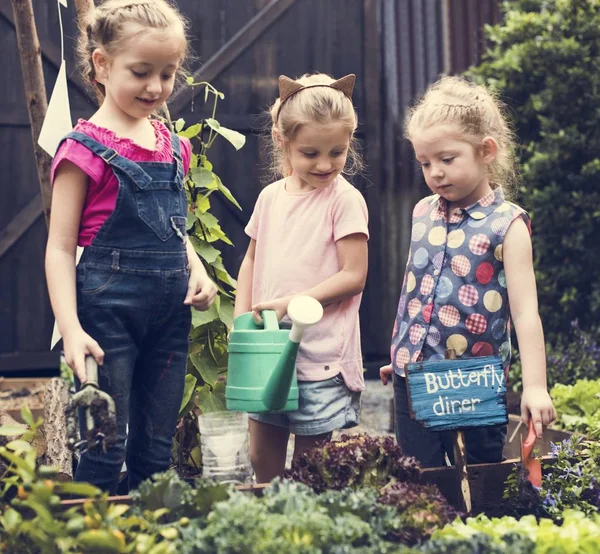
(426, 285)
(415, 333)
(468, 295)
(414, 306)
(476, 323)
(460, 265)
(402, 357)
(449, 316)
(479, 244)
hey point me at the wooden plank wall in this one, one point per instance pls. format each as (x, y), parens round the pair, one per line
(395, 47)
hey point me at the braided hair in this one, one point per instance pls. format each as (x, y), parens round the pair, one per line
(476, 113)
(114, 22)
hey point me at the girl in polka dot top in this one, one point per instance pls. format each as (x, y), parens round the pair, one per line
(470, 267)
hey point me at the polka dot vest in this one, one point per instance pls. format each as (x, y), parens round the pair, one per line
(454, 293)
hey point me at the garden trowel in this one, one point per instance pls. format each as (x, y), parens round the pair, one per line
(99, 409)
(529, 462)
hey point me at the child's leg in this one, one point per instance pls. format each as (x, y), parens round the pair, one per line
(414, 439)
(324, 406)
(302, 443)
(484, 444)
(156, 394)
(102, 469)
(268, 449)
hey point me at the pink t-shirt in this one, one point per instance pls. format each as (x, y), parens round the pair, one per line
(103, 185)
(295, 236)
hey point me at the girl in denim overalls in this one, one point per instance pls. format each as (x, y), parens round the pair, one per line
(118, 192)
(470, 258)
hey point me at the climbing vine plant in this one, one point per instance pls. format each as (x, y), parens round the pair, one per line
(207, 361)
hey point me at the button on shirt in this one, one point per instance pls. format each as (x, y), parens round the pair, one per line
(454, 294)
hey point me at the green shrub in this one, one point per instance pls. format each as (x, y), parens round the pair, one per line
(573, 356)
(544, 59)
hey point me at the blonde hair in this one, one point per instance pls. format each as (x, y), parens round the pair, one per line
(314, 105)
(477, 113)
(108, 27)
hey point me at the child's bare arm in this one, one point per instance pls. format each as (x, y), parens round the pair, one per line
(352, 253)
(243, 297)
(68, 197)
(522, 294)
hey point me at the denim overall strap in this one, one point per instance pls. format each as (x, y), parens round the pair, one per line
(176, 146)
(111, 157)
(151, 209)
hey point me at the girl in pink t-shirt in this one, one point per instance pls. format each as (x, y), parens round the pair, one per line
(308, 235)
(119, 193)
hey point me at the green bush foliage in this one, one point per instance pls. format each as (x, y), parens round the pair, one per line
(572, 356)
(544, 59)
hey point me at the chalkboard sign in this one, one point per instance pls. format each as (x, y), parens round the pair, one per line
(457, 394)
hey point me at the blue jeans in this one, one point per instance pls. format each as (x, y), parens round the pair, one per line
(484, 444)
(138, 317)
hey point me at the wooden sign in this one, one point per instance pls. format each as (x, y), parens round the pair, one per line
(456, 394)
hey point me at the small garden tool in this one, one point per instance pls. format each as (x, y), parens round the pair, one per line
(529, 462)
(99, 409)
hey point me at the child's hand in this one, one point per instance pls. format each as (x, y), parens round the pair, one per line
(385, 372)
(201, 290)
(77, 345)
(537, 404)
(279, 306)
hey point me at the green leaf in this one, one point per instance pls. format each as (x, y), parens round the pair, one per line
(226, 311)
(211, 399)
(19, 446)
(203, 178)
(207, 252)
(27, 415)
(236, 139)
(202, 204)
(179, 124)
(227, 193)
(190, 383)
(202, 318)
(79, 489)
(12, 430)
(191, 219)
(208, 220)
(206, 366)
(191, 131)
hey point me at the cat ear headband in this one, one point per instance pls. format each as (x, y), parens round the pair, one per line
(288, 88)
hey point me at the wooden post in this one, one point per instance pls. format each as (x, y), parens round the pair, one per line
(460, 459)
(57, 394)
(35, 91)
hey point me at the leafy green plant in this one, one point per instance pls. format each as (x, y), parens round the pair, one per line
(33, 520)
(577, 406)
(208, 350)
(570, 356)
(207, 361)
(544, 59)
(572, 481)
(353, 461)
(579, 533)
(421, 510)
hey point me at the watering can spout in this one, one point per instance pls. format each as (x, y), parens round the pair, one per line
(304, 311)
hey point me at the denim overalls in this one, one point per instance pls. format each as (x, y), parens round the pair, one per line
(131, 284)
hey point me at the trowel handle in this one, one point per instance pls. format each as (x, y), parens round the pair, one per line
(91, 371)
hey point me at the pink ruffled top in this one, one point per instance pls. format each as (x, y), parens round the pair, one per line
(103, 186)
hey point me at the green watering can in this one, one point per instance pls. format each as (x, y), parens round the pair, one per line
(261, 373)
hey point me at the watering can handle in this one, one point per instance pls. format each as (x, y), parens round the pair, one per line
(270, 320)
